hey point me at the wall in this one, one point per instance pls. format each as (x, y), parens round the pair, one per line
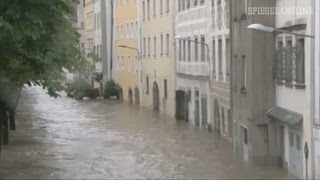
(126, 70)
(159, 67)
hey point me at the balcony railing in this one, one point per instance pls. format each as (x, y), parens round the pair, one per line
(193, 68)
(288, 67)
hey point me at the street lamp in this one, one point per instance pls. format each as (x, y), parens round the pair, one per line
(260, 27)
(128, 47)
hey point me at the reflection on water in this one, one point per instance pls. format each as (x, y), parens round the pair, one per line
(64, 138)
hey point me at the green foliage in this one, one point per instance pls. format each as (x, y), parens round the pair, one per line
(111, 89)
(81, 88)
(37, 40)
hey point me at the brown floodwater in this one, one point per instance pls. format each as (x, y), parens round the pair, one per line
(65, 138)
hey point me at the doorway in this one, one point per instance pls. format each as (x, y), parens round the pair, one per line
(197, 108)
(137, 96)
(216, 116)
(130, 97)
(156, 97)
(181, 105)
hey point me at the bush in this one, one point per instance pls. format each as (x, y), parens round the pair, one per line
(80, 88)
(110, 89)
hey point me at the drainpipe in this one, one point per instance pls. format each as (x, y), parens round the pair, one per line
(139, 56)
(111, 63)
(231, 72)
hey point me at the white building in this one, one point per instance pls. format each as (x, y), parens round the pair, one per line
(294, 100)
(220, 68)
(193, 61)
(317, 91)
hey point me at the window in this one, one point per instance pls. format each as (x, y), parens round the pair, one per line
(154, 8)
(147, 85)
(189, 95)
(128, 30)
(143, 10)
(188, 4)
(298, 142)
(179, 5)
(214, 57)
(291, 139)
(144, 47)
(227, 57)
(137, 29)
(245, 135)
(122, 63)
(132, 30)
(288, 60)
(300, 77)
(129, 64)
(184, 51)
(220, 55)
(165, 85)
(243, 73)
(227, 13)
(136, 64)
(161, 48)
(183, 5)
(161, 6)
(155, 46)
(201, 2)
(195, 2)
(219, 13)
(189, 50)
(196, 53)
(149, 46)
(167, 6)
(203, 52)
(289, 65)
(180, 49)
(167, 44)
(148, 10)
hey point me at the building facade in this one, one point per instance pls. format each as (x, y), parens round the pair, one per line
(253, 91)
(157, 49)
(103, 38)
(293, 74)
(193, 61)
(127, 50)
(220, 68)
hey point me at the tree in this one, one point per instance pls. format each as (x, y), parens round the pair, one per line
(37, 40)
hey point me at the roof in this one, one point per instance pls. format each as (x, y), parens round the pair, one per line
(285, 115)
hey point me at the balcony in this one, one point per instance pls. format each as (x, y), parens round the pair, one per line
(193, 68)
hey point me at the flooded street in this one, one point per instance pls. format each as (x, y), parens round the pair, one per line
(65, 138)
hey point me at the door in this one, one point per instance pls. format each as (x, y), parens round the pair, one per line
(130, 100)
(156, 97)
(216, 116)
(204, 113)
(295, 154)
(245, 148)
(281, 146)
(181, 105)
(137, 96)
(197, 109)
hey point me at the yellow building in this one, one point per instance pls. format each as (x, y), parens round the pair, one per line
(126, 52)
(157, 49)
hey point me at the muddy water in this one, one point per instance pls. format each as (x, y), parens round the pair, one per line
(64, 138)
